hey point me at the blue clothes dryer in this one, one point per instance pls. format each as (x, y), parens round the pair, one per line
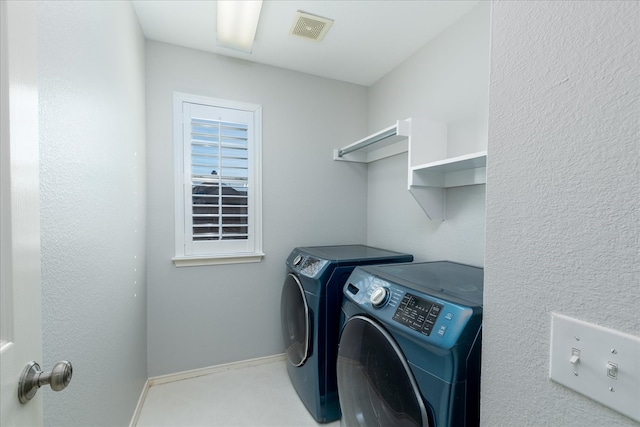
(310, 316)
(409, 352)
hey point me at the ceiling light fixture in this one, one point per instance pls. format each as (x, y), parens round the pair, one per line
(237, 23)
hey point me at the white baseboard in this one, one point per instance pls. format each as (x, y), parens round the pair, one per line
(141, 399)
(179, 376)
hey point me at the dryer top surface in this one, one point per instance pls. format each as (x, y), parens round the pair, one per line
(352, 253)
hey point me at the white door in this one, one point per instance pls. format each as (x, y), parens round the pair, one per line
(20, 313)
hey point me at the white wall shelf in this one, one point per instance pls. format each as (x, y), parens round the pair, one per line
(385, 143)
(431, 171)
(428, 182)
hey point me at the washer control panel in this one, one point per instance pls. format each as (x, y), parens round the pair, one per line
(417, 313)
(438, 321)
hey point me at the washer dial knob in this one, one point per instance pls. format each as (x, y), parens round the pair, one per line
(379, 297)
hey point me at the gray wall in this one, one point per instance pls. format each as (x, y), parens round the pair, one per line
(92, 148)
(204, 316)
(447, 80)
(563, 205)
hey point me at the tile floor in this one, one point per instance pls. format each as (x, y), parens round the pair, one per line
(256, 396)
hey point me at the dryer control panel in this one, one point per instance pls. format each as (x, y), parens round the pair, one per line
(306, 265)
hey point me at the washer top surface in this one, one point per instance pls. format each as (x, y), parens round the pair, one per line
(440, 278)
(349, 253)
(437, 303)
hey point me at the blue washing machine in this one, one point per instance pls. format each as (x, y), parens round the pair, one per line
(310, 315)
(409, 352)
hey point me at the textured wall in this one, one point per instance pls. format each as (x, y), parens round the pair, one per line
(563, 205)
(208, 315)
(446, 80)
(92, 172)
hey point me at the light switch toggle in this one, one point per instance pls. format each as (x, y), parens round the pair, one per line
(612, 370)
(575, 357)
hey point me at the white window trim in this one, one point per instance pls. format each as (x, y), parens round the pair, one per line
(181, 259)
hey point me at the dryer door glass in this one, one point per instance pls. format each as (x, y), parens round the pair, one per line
(294, 318)
(375, 385)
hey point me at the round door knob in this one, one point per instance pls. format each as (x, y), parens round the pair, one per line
(33, 378)
(379, 297)
(60, 376)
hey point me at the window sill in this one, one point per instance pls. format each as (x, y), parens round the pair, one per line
(194, 261)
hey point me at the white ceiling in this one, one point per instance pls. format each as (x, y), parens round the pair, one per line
(368, 38)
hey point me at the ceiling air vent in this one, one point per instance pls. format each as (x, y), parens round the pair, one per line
(310, 26)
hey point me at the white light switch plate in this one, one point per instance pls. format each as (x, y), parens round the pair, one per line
(606, 364)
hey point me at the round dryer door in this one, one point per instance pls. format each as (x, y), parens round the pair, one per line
(375, 385)
(294, 317)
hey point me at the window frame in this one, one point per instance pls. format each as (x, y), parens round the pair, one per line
(184, 257)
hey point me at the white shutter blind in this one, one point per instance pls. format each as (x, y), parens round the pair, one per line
(219, 175)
